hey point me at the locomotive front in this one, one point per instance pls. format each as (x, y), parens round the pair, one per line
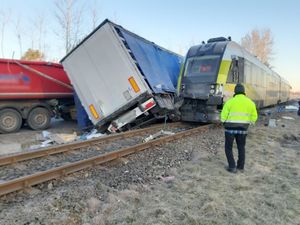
(203, 96)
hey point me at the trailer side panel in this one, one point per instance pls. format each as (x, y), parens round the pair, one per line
(103, 74)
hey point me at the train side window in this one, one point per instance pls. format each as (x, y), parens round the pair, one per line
(236, 71)
(241, 65)
(255, 75)
(260, 77)
(248, 73)
(263, 78)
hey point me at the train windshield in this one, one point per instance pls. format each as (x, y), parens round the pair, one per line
(204, 67)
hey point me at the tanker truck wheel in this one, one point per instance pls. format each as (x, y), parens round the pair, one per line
(10, 121)
(39, 118)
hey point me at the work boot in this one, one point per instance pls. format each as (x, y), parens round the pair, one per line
(240, 170)
(231, 170)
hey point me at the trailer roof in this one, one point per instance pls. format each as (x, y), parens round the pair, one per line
(120, 27)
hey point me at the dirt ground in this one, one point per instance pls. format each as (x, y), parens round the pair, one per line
(184, 182)
(17, 142)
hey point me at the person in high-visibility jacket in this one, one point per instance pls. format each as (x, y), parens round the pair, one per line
(237, 114)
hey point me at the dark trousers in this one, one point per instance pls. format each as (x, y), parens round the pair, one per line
(241, 142)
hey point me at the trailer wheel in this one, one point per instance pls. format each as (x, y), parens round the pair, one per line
(10, 121)
(39, 118)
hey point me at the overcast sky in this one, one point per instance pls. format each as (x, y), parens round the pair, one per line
(175, 25)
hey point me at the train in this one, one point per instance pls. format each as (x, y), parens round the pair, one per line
(212, 69)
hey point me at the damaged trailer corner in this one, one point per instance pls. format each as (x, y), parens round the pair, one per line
(122, 78)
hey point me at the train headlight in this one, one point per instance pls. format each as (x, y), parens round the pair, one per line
(212, 89)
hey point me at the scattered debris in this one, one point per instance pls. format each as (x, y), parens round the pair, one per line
(50, 186)
(287, 118)
(291, 108)
(157, 135)
(167, 179)
(46, 143)
(62, 138)
(272, 123)
(266, 112)
(123, 160)
(47, 138)
(92, 134)
(45, 134)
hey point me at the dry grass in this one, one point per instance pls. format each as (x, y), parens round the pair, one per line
(204, 193)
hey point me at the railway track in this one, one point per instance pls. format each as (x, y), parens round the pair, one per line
(10, 159)
(46, 159)
(26, 181)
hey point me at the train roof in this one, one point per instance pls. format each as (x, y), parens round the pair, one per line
(211, 48)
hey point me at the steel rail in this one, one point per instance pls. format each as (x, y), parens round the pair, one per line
(10, 159)
(58, 172)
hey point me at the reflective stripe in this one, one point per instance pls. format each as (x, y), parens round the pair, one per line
(239, 114)
(238, 121)
(236, 131)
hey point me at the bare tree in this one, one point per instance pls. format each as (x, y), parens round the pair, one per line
(37, 32)
(39, 25)
(19, 32)
(4, 19)
(259, 43)
(68, 15)
(95, 14)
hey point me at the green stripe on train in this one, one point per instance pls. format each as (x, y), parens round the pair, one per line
(180, 78)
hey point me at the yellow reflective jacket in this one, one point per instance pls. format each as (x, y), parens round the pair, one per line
(239, 110)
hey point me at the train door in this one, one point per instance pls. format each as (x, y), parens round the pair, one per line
(235, 75)
(280, 91)
(236, 71)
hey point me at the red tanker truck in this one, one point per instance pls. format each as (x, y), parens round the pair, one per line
(31, 93)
